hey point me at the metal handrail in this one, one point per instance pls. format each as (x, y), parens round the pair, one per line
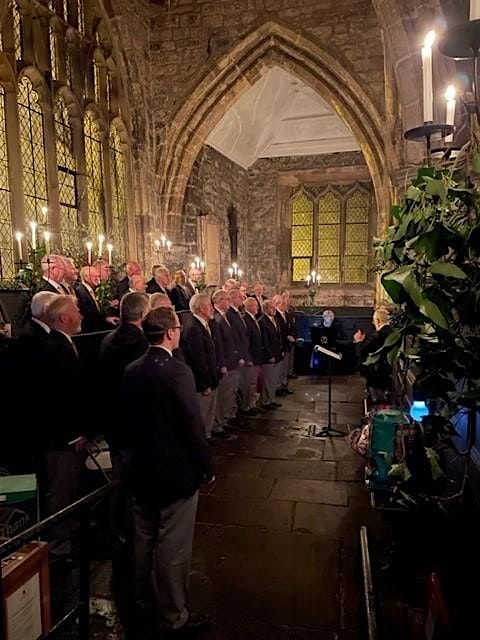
(368, 589)
(82, 608)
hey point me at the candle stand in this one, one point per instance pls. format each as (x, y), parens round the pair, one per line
(426, 131)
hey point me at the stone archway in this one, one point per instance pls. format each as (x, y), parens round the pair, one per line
(235, 73)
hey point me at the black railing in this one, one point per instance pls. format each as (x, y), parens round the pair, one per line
(368, 587)
(83, 508)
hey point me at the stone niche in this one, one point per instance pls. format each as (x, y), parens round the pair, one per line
(261, 195)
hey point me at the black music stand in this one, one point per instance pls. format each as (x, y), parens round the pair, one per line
(329, 431)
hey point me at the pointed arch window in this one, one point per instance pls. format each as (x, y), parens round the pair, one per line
(119, 195)
(338, 249)
(94, 164)
(7, 266)
(17, 32)
(302, 237)
(33, 151)
(67, 178)
(53, 54)
(329, 219)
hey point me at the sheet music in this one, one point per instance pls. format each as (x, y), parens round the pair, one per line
(328, 352)
(23, 612)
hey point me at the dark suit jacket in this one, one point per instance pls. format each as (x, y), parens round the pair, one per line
(120, 347)
(93, 319)
(47, 286)
(122, 288)
(378, 375)
(167, 455)
(260, 302)
(282, 330)
(239, 333)
(254, 333)
(180, 298)
(154, 287)
(227, 353)
(199, 351)
(272, 347)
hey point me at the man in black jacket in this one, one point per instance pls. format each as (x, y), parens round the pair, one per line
(255, 350)
(168, 458)
(199, 350)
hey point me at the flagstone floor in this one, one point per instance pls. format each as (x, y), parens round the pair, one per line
(276, 552)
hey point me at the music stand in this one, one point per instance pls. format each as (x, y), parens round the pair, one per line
(329, 431)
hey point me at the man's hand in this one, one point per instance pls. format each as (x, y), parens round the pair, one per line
(206, 392)
(272, 361)
(223, 371)
(81, 444)
(241, 362)
(112, 320)
(249, 363)
(210, 480)
(358, 336)
(290, 338)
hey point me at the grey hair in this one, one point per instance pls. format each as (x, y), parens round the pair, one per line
(133, 306)
(40, 303)
(197, 300)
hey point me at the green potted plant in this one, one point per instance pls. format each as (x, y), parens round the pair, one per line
(430, 265)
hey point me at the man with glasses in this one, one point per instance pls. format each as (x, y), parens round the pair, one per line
(167, 459)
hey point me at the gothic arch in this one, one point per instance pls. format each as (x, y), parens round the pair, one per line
(235, 73)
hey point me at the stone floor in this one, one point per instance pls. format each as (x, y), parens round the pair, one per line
(276, 552)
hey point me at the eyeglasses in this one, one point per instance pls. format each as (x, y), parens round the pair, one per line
(179, 327)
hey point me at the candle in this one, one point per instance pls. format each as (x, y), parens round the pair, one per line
(163, 240)
(202, 265)
(18, 238)
(109, 249)
(230, 271)
(33, 227)
(474, 9)
(44, 211)
(240, 273)
(192, 266)
(89, 246)
(197, 262)
(101, 240)
(450, 97)
(427, 77)
(308, 279)
(169, 245)
(46, 236)
(314, 273)
(157, 245)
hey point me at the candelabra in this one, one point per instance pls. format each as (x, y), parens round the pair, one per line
(235, 272)
(163, 248)
(313, 280)
(198, 273)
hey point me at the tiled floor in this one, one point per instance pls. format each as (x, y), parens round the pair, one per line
(276, 547)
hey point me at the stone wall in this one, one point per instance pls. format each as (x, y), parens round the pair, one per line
(260, 196)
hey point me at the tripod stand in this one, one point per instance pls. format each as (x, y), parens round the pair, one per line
(329, 431)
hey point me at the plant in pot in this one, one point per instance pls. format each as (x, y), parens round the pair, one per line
(430, 264)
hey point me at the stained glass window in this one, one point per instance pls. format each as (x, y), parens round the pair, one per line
(356, 238)
(33, 151)
(93, 158)
(17, 33)
(329, 225)
(302, 237)
(53, 54)
(67, 174)
(7, 267)
(96, 81)
(119, 196)
(80, 15)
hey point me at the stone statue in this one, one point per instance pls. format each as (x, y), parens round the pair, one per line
(233, 231)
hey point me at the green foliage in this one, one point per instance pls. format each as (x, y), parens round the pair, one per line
(430, 264)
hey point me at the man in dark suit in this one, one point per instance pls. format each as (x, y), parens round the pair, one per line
(378, 376)
(93, 318)
(181, 292)
(132, 268)
(255, 350)
(64, 441)
(239, 328)
(168, 459)
(260, 297)
(199, 351)
(272, 354)
(160, 282)
(53, 271)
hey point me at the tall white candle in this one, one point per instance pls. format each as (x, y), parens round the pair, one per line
(240, 273)
(450, 119)
(89, 246)
(109, 249)
(157, 245)
(101, 240)
(230, 271)
(169, 245)
(33, 227)
(163, 240)
(46, 236)
(44, 211)
(202, 265)
(474, 9)
(427, 77)
(18, 238)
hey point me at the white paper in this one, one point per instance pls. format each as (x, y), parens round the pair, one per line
(328, 352)
(23, 611)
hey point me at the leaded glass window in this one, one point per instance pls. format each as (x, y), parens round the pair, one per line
(302, 237)
(119, 196)
(94, 164)
(7, 266)
(80, 15)
(329, 219)
(53, 54)
(96, 81)
(17, 33)
(338, 249)
(356, 238)
(67, 175)
(33, 152)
